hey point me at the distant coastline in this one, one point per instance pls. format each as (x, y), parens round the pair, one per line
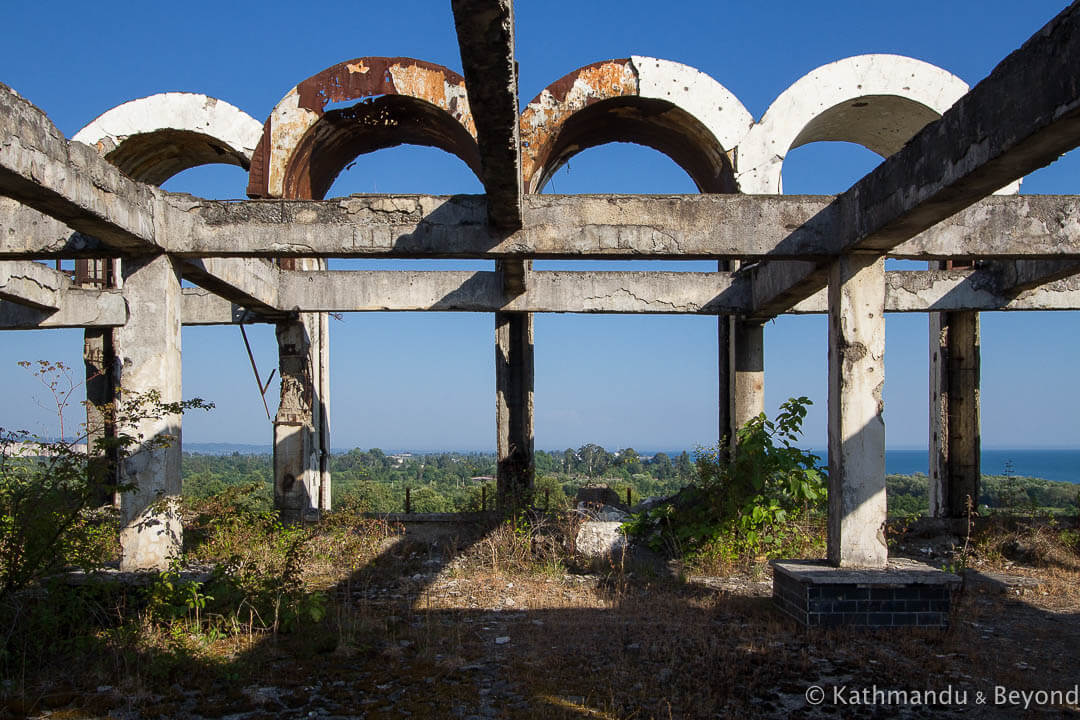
(1061, 465)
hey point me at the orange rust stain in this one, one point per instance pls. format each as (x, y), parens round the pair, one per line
(543, 119)
(431, 85)
(358, 67)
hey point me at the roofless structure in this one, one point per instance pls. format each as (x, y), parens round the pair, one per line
(948, 151)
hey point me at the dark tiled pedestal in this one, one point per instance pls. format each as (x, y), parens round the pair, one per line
(905, 593)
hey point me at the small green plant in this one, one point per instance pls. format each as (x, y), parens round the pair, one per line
(49, 489)
(746, 505)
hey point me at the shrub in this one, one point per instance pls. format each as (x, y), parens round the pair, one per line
(747, 505)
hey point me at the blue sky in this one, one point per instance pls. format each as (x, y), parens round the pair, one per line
(427, 380)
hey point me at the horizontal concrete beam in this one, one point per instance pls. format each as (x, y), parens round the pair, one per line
(558, 226)
(576, 292)
(614, 226)
(203, 307)
(70, 182)
(32, 284)
(78, 308)
(952, 290)
(250, 282)
(1023, 116)
(579, 292)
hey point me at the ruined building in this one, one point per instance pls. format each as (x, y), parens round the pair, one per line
(946, 194)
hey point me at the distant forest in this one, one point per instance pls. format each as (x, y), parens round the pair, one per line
(456, 482)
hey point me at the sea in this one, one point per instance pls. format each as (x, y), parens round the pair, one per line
(1061, 465)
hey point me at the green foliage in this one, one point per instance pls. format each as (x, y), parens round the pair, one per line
(49, 490)
(749, 505)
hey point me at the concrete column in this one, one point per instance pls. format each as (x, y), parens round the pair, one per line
(514, 408)
(148, 361)
(725, 332)
(955, 445)
(749, 371)
(301, 427)
(856, 428)
(99, 360)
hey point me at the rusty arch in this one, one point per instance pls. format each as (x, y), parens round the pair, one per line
(669, 107)
(304, 145)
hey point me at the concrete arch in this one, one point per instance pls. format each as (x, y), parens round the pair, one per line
(304, 145)
(877, 101)
(153, 138)
(669, 107)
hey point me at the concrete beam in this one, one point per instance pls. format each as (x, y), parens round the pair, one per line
(250, 282)
(956, 290)
(558, 226)
(203, 307)
(1023, 116)
(27, 234)
(70, 182)
(32, 284)
(78, 308)
(485, 30)
(548, 291)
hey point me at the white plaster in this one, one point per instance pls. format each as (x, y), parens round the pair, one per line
(761, 154)
(288, 124)
(175, 111)
(696, 93)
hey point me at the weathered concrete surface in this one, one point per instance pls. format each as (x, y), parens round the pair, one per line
(202, 307)
(749, 372)
(955, 438)
(516, 467)
(32, 284)
(954, 290)
(485, 30)
(26, 233)
(398, 100)
(148, 356)
(301, 433)
(856, 428)
(1024, 115)
(679, 226)
(877, 101)
(669, 107)
(78, 308)
(251, 282)
(153, 138)
(548, 291)
(68, 181)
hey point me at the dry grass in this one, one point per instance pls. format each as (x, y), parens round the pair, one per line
(507, 623)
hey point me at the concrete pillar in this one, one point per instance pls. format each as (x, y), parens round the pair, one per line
(301, 427)
(955, 445)
(749, 371)
(99, 360)
(514, 408)
(856, 429)
(148, 361)
(725, 332)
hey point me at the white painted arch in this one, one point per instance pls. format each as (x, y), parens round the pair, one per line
(878, 101)
(155, 137)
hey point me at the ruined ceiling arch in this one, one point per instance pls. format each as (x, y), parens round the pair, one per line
(151, 139)
(313, 133)
(877, 101)
(669, 107)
